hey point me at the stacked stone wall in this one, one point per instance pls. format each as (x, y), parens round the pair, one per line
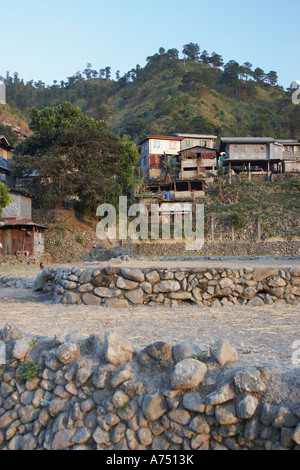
(124, 287)
(94, 394)
(225, 246)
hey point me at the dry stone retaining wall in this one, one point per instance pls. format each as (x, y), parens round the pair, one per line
(124, 287)
(225, 247)
(16, 282)
(64, 393)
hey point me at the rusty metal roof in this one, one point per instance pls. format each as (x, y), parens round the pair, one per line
(8, 222)
(160, 137)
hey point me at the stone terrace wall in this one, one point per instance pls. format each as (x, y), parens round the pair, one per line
(16, 282)
(124, 287)
(227, 247)
(61, 393)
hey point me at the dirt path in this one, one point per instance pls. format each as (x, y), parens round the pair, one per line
(189, 262)
(31, 271)
(262, 335)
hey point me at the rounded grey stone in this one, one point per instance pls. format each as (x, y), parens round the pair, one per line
(68, 352)
(185, 350)
(188, 373)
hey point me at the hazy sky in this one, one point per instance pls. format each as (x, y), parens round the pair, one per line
(53, 40)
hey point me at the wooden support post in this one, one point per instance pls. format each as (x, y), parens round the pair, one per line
(258, 229)
(212, 222)
(249, 171)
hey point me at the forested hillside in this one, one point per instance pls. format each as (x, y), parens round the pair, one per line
(196, 93)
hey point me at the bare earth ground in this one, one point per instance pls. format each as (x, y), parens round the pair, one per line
(262, 335)
(30, 271)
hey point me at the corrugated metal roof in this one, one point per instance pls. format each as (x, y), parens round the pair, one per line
(4, 140)
(233, 140)
(22, 192)
(208, 149)
(254, 162)
(160, 137)
(288, 142)
(13, 222)
(197, 136)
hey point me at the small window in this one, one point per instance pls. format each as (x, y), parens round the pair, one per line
(189, 143)
(156, 144)
(190, 168)
(235, 148)
(243, 148)
(203, 143)
(239, 148)
(255, 148)
(288, 148)
(262, 147)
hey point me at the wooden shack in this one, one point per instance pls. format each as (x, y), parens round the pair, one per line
(19, 235)
(196, 161)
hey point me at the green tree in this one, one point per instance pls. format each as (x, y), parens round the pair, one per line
(10, 135)
(216, 60)
(107, 73)
(137, 127)
(262, 122)
(246, 70)
(191, 81)
(88, 70)
(75, 157)
(172, 54)
(46, 125)
(169, 164)
(272, 78)
(204, 57)
(207, 78)
(231, 73)
(200, 124)
(259, 74)
(191, 51)
(4, 198)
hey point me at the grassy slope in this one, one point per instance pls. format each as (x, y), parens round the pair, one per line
(158, 98)
(277, 205)
(220, 106)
